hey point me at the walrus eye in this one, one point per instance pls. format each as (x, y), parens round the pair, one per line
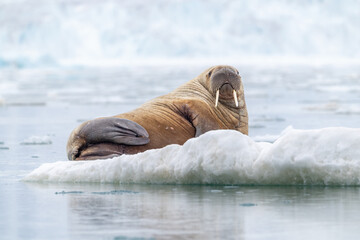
(237, 72)
(209, 74)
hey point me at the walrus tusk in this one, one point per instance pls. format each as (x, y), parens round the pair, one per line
(217, 98)
(235, 98)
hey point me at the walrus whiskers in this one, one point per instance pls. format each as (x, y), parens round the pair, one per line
(235, 98)
(217, 98)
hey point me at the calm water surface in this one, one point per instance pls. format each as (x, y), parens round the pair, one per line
(48, 104)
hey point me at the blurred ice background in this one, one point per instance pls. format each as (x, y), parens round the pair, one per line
(66, 61)
(37, 33)
(300, 60)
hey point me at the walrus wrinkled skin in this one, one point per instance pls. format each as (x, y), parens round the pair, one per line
(213, 100)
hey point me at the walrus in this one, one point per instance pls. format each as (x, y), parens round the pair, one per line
(213, 100)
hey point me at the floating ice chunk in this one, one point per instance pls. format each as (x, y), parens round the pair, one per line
(70, 192)
(329, 156)
(339, 88)
(348, 109)
(337, 108)
(216, 191)
(248, 204)
(116, 192)
(37, 140)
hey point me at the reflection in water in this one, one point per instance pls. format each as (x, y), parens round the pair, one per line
(217, 212)
(163, 212)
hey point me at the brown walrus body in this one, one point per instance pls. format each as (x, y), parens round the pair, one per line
(213, 100)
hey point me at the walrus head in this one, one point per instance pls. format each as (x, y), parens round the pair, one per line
(225, 84)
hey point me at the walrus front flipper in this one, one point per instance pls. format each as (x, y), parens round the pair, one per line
(199, 115)
(105, 130)
(114, 130)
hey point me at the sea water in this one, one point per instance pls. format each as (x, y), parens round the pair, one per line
(295, 176)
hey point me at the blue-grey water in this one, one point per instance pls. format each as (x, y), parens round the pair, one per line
(40, 107)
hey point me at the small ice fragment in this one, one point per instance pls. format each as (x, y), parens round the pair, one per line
(216, 191)
(115, 192)
(248, 204)
(227, 187)
(37, 140)
(256, 126)
(70, 192)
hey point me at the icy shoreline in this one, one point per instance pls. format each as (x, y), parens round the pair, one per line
(329, 156)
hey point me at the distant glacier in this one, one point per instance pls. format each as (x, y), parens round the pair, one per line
(34, 32)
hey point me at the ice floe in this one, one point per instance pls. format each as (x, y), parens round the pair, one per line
(328, 156)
